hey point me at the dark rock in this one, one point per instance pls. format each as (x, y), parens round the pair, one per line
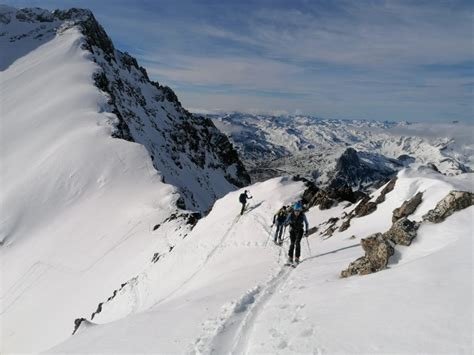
(353, 171)
(377, 253)
(377, 250)
(390, 186)
(402, 232)
(361, 266)
(345, 225)
(454, 201)
(433, 167)
(77, 324)
(193, 218)
(365, 207)
(156, 227)
(407, 208)
(345, 193)
(156, 257)
(406, 159)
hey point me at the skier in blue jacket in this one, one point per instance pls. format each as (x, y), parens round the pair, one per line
(296, 219)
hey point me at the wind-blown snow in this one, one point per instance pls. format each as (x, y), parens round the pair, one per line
(226, 290)
(77, 205)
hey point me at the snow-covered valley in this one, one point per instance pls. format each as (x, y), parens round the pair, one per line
(120, 220)
(310, 146)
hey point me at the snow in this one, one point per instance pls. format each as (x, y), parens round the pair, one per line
(78, 210)
(225, 289)
(310, 146)
(75, 202)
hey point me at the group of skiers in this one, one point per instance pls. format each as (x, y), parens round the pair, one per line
(292, 216)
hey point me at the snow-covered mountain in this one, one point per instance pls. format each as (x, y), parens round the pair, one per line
(96, 161)
(312, 147)
(93, 162)
(190, 153)
(226, 289)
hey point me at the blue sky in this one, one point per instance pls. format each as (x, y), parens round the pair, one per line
(394, 60)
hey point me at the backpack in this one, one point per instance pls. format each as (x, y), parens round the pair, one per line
(243, 197)
(296, 222)
(281, 215)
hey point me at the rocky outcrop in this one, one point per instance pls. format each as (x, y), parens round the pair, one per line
(379, 247)
(364, 207)
(345, 225)
(402, 232)
(327, 198)
(388, 188)
(454, 201)
(377, 253)
(407, 208)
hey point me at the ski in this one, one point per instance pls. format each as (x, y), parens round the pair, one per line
(293, 264)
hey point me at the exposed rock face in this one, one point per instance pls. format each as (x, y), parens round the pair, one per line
(390, 186)
(365, 207)
(454, 201)
(183, 147)
(407, 208)
(379, 247)
(361, 266)
(326, 198)
(402, 232)
(345, 225)
(353, 171)
(377, 253)
(377, 250)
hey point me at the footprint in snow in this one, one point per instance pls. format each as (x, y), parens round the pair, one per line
(307, 332)
(282, 345)
(274, 333)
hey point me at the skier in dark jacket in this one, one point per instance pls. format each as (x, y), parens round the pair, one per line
(279, 218)
(243, 200)
(296, 219)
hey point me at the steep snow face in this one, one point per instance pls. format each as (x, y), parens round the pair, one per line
(226, 289)
(309, 146)
(78, 207)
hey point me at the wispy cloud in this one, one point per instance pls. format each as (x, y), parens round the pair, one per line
(366, 59)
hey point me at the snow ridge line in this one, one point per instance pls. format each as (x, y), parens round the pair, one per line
(231, 336)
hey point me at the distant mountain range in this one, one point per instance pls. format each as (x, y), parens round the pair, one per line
(335, 152)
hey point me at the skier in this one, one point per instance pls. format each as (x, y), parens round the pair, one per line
(296, 219)
(243, 200)
(279, 218)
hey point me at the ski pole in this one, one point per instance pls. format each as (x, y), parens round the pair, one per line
(283, 234)
(269, 236)
(309, 249)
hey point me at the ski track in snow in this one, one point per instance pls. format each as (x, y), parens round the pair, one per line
(229, 333)
(233, 335)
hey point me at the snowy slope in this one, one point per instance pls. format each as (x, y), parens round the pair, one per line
(310, 146)
(226, 289)
(80, 209)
